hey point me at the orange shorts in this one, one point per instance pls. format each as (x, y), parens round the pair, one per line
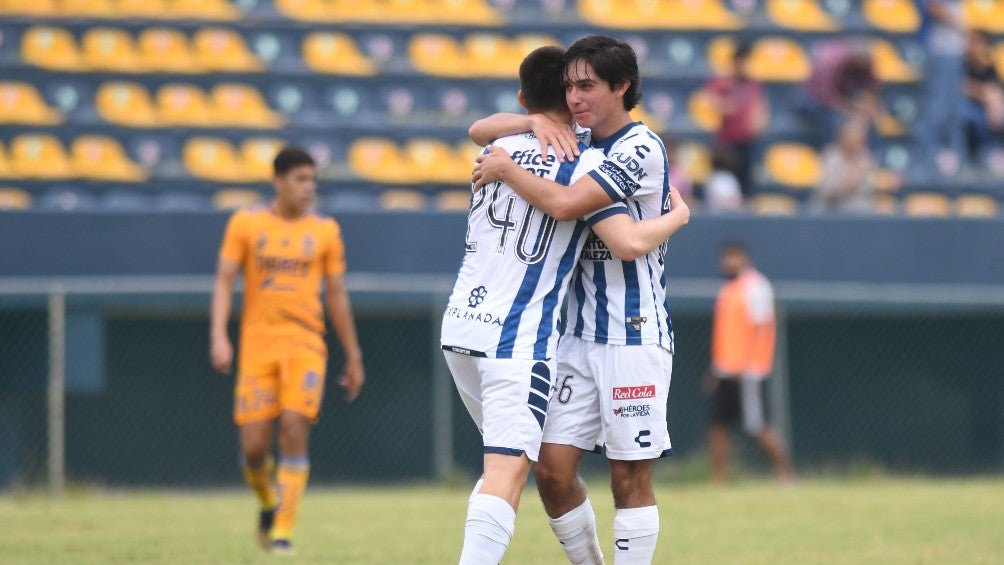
(266, 387)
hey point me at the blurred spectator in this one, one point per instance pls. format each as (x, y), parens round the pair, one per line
(944, 41)
(678, 176)
(848, 172)
(722, 192)
(843, 86)
(983, 104)
(743, 106)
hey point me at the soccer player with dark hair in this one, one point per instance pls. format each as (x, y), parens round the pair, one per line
(285, 252)
(616, 357)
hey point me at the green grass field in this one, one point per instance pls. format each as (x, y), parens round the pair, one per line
(817, 521)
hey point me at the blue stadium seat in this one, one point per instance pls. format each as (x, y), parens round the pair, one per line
(181, 202)
(124, 201)
(350, 200)
(67, 200)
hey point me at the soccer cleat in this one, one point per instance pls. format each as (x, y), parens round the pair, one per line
(265, 520)
(282, 547)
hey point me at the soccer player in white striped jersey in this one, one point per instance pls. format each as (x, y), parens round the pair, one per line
(500, 327)
(615, 359)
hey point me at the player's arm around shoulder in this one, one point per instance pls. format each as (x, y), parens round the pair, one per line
(628, 240)
(340, 310)
(559, 137)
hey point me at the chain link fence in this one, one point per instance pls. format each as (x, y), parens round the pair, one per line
(907, 379)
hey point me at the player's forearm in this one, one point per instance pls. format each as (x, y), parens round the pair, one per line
(487, 130)
(340, 310)
(649, 234)
(221, 307)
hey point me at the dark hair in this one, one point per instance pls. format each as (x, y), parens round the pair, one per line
(541, 79)
(290, 157)
(733, 246)
(742, 51)
(613, 60)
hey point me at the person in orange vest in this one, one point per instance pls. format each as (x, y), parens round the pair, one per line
(742, 357)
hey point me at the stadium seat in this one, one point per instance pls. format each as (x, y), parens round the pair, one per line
(184, 105)
(126, 104)
(927, 204)
(306, 10)
(695, 159)
(166, 50)
(212, 158)
(431, 160)
(67, 200)
(464, 12)
(439, 55)
(999, 58)
(126, 201)
(885, 205)
(50, 48)
(773, 205)
(889, 66)
(976, 206)
(379, 160)
(335, 53)
(181, 202)
(14, 199)
(666, 14)
(236, 198)
(897, 16)
(40, 156)
(640, 114)
(144, 9)
(453, 201)
(402, 200)
(220, 49)
(6, 171)
(801, 15)
(36, 8)
(774, 59)
(219, 10)
(987, 15)
(96, 9)
(344, 200)
(241, 105)
(110, 50)
(21, 103)
(793, 165)
(702, 112)
(99, 157)
(490, 55)
(257, 155)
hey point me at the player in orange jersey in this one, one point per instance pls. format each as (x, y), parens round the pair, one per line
(285, 253)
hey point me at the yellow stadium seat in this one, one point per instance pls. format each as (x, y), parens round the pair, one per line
(241, 105)
(431, 160)
(219, 49)
(126, 104)
(335, 53)
(34, 8)
(889, 66)
(21, 103)
(660, 14)
(98, 9)
(987, 15)
(453, 201)
(999, 59)
(257, 155)
(166, 50)
(928, 205)
(523, 44)
(368, 11)
(146, 9)
(897, 16)
(976, 206)
(803, 15)
(305, 10)
(219, 10)
(413, 12)
(490, 55)
(793, 164)
(6, 171)
(100, 157)
(402, 200)
(695, 160)
(773, 205)
(703, 112)
(236, 198)
(439, 55)
(110, 50)
(14, 199)
(885, 204)
(466, 12)
(184, 105)
(771, 59)
(379, 160)
(640, 114)
(40, 156)
(50, 48)
(212, 158)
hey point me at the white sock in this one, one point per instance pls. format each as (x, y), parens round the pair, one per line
(490, 524)
(636, 531)
(477, 489)
(576, 530)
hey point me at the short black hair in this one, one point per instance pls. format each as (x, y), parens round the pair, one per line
(743, 51)
(613, 60)
(290, 157)
(733, 245)
(541, 79)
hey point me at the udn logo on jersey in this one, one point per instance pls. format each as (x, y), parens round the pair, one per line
(634, 392)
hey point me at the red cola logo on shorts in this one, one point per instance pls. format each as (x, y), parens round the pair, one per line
(633, 392)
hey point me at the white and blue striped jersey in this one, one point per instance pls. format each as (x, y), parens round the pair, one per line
(514, 277)
(624, 302)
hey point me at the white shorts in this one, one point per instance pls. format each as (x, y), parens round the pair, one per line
(507, 398)
(612, 396)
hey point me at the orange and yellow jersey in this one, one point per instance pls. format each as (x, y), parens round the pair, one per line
(283, 263)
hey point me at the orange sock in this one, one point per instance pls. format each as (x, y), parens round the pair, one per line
(292, 479)
(260, 481)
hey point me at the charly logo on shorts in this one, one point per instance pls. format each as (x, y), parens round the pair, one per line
(477, 297)
(633, 410)
(634, 392)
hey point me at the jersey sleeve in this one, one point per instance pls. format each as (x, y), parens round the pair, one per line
(589, 160)
(234, 246)
(637, 167)
(760, 302)
(334, 260)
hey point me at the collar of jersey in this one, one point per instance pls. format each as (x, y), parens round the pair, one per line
(607, 142)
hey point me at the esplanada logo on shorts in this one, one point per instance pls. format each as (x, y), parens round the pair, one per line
(634, 392)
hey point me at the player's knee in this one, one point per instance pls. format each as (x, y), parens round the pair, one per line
(294, 430)
(631, 483)
(550, 477)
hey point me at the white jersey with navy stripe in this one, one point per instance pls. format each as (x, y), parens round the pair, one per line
(624, 302)
(515, 274)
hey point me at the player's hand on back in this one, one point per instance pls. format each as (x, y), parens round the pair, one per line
(221, 354)
(352, 379)
(555, 137)
(490, 165)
